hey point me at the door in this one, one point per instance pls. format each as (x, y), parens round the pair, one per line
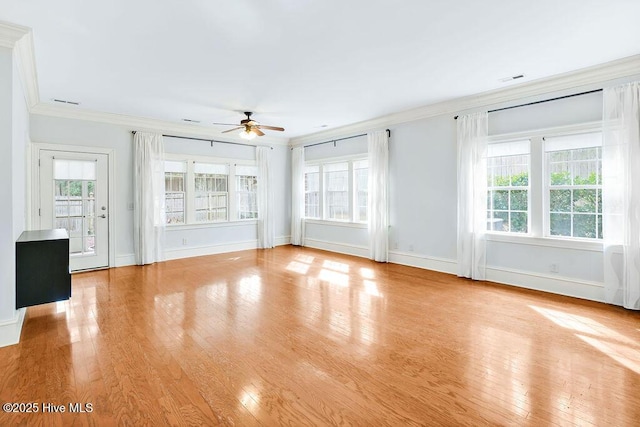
(74, 196)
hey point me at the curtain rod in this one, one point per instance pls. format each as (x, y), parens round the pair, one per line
(204, 139)
(543, 101)
(341, 139)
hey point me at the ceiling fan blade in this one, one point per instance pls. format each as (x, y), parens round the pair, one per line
(225, 124)
(257, 131)
(271, 127)
(231, 130)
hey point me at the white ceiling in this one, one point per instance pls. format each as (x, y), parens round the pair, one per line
(302, 64)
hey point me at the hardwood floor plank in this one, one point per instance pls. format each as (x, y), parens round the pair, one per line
(294, 336)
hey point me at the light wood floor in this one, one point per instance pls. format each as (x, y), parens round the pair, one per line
(294, 336)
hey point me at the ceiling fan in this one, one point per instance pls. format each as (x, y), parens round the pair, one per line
(249, 128)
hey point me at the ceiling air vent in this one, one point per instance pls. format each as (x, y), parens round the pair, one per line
(508, 79)
(191, 121)
(63, 101)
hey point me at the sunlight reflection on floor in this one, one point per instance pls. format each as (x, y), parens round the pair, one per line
(615, 345)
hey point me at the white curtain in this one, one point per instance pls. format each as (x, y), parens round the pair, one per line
(266, 220)
(148, 198)
(472, 195)
(297, 196)
(621, 195)
(378, 202)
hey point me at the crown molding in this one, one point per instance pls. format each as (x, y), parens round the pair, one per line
(146, 124)
(587, 76)
(20, 40)
(26, 61)
(11, 33)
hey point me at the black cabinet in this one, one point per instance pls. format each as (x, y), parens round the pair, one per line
(42, 267)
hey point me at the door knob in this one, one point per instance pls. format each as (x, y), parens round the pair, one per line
(103, 216)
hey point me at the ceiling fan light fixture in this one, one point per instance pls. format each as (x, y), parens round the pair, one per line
(248, 135)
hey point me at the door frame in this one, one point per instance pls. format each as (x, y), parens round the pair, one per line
(34, 174)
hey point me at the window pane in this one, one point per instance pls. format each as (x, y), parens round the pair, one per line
(560, 174)
(560, 224)
(174, 196)
(312, 192)
(584, 200)
(501, 200)
(508, 186)
(246, 196)
(560, 200)
(211, 182)
(518, 223)
(336, 179)
(584, 226)
(499, 221)
(575, 164)
(360, 179)
(519, 200)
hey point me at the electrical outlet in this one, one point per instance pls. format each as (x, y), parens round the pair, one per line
(554, 268)
(395, 245)
(184, 242)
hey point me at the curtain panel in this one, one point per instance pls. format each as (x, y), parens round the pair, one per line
(297, 196)
(621, 194)
(148, 200)
(266, 220)
(472, 194)
(378, 193)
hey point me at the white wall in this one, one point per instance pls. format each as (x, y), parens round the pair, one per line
(14, 138)
(200, 240)
(237, 235)
(423, 210)
(54, 130)
(337, 237)
(7, 245)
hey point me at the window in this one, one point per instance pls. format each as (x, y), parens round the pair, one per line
(204, 190)
(508, 187)
(246, 196)
(361, 184)
(337, 191)
(211, 192)
(312, 191)
(336, 178)
(574, 185)
(174, 184)
(549, 186)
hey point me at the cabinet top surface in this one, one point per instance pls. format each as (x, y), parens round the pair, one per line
(31, 235)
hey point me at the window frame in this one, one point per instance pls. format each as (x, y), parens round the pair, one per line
(572, 187)
(351, 196)
(232, 208)
(239, 192)
(509, 189)
(538, 213)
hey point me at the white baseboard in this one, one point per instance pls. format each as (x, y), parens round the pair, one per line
(411, 259)
(179, 253)
(568, 286)
(125, 260)
(341, 248)
(283, 240)
(10, 330)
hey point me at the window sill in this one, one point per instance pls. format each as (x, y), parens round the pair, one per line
(336, 223)
(238, 223)
(553, 242)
